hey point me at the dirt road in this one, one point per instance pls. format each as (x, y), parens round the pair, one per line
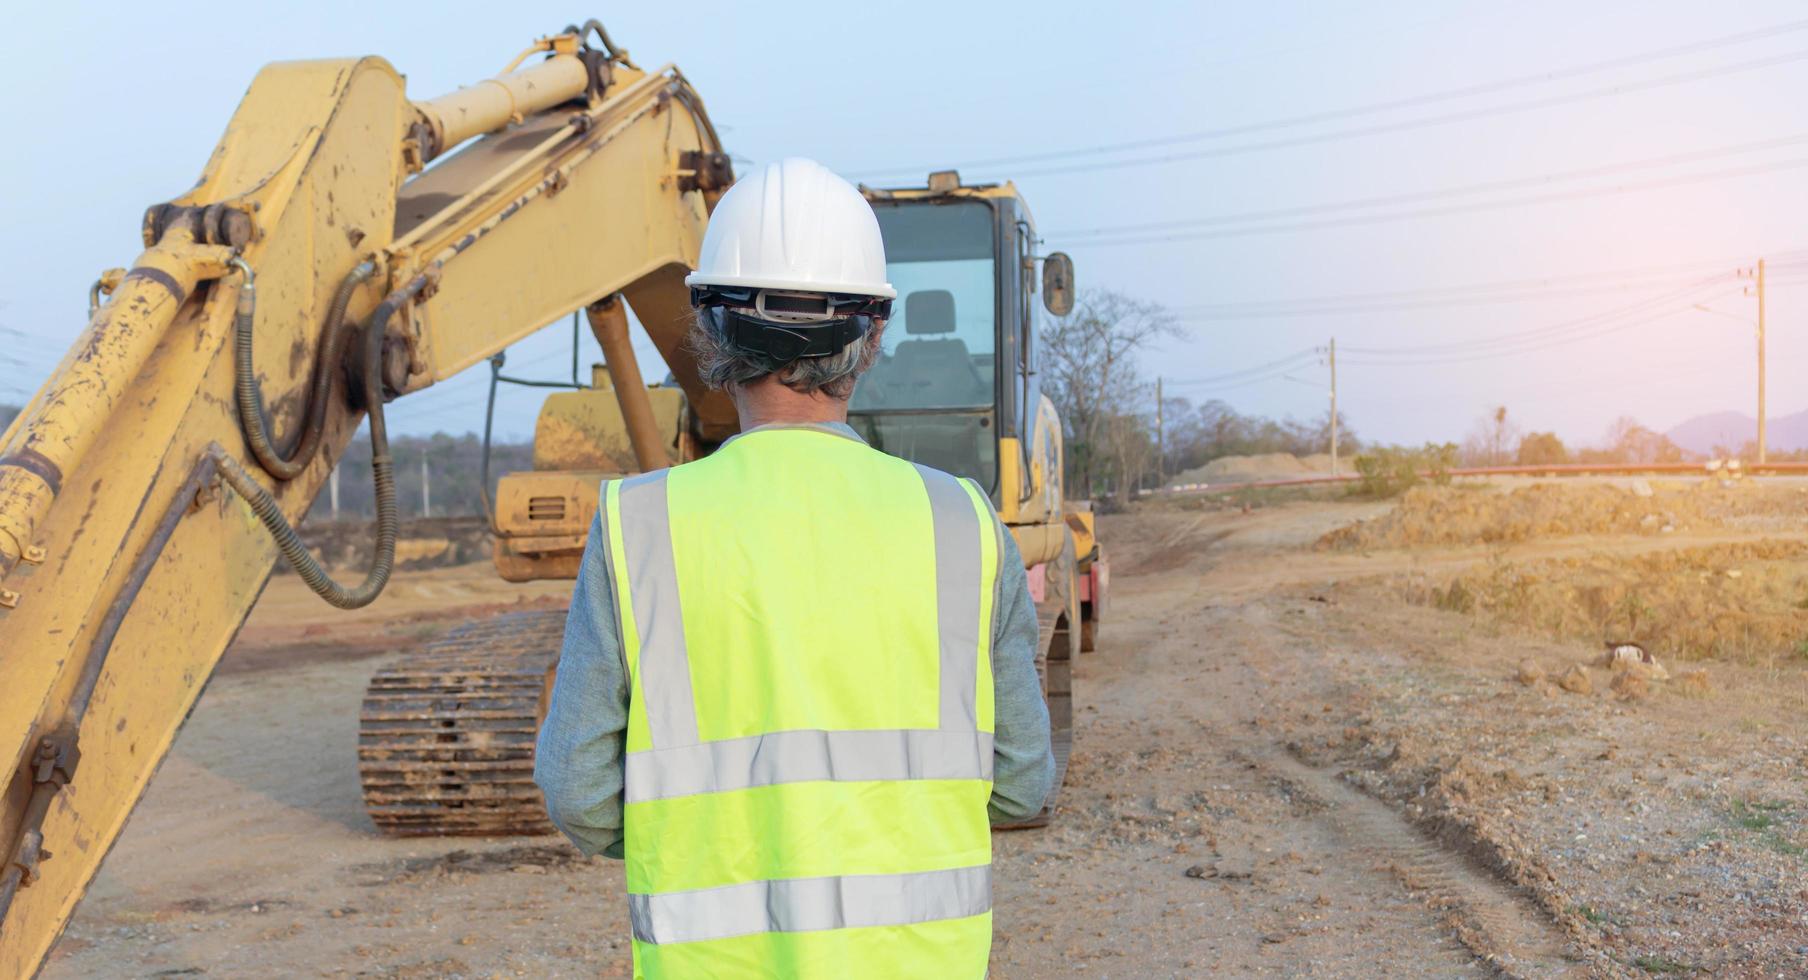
(1283, 767)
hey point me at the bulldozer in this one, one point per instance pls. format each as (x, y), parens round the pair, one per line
(346, 246)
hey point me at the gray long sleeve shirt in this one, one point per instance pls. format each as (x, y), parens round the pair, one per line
(578, 759)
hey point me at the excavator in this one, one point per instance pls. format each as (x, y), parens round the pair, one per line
(347, 246)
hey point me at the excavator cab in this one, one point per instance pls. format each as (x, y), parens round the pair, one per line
(955, 383)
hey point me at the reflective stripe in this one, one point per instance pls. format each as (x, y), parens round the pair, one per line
(809, 904)
(665, 670)
(605, 542)
(807, 756)
(957, 577)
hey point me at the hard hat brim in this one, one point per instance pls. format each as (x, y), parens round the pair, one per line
(798, 285)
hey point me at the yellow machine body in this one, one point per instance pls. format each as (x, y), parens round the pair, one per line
(125, 566)
(582, 438)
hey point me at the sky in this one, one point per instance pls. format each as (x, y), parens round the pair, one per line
(1485, 204)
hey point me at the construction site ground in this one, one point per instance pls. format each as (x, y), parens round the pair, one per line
(1300, 751)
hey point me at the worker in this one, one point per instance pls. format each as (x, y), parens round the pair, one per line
(798, 675)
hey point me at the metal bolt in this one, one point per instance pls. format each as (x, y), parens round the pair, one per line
(34, 554)
(9, 599)
(206, 494)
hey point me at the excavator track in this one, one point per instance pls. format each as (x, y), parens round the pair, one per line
(446, 739)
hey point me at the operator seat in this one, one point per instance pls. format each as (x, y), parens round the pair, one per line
(932, 370)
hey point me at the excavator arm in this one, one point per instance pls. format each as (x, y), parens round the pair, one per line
(344, 246)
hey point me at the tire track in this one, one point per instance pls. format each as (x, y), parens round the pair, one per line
(1497, 923)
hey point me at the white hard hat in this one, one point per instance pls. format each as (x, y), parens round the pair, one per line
(794, 225)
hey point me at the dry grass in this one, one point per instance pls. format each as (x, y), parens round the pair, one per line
(1468, 514)
(1738, 601)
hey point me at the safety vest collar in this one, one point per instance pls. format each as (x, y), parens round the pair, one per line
(841, 429)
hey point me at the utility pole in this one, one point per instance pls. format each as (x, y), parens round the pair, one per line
(1761, 440)
(1333, 406)
(333, 491)
(1161, 440)
(426, 486)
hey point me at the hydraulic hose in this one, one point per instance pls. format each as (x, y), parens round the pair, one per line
(489, 418)
(253, 417)
(270, 513)
(594, 26)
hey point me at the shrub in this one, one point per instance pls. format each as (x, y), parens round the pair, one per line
(1541, 448)
(1387, 471)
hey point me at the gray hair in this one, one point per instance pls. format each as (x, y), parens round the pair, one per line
(722, 366)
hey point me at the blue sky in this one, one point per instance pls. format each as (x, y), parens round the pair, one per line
(114, 107)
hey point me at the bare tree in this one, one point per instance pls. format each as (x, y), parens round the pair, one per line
(1491, 442)
(1088, 366)
(1630, 442)
(1131, 442)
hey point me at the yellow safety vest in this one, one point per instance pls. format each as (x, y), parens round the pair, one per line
(806, 623)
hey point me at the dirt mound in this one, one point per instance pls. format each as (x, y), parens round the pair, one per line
(433, 542)
(1456, 515)
(1247, 469)
(1737, 601)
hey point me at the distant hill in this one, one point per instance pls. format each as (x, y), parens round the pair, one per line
(1734, 429)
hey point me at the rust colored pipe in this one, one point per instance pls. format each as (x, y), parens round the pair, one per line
(1545, 469)
(609, 321)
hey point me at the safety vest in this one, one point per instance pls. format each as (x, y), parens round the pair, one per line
(806, 624)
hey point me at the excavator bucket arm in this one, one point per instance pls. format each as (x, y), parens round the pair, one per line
(319, 267)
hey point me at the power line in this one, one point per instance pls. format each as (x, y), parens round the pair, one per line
(1431, 299)
(1456, 354)
(1630, 274)
(1499, 284)
(1554, 328)
(1524, 342)
(1281, 366)
(1486, 187)
(1425, 122)
(1446, 210)
(1468, 91)
(1400, 306)
(1232, 386)
(1533, 348)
